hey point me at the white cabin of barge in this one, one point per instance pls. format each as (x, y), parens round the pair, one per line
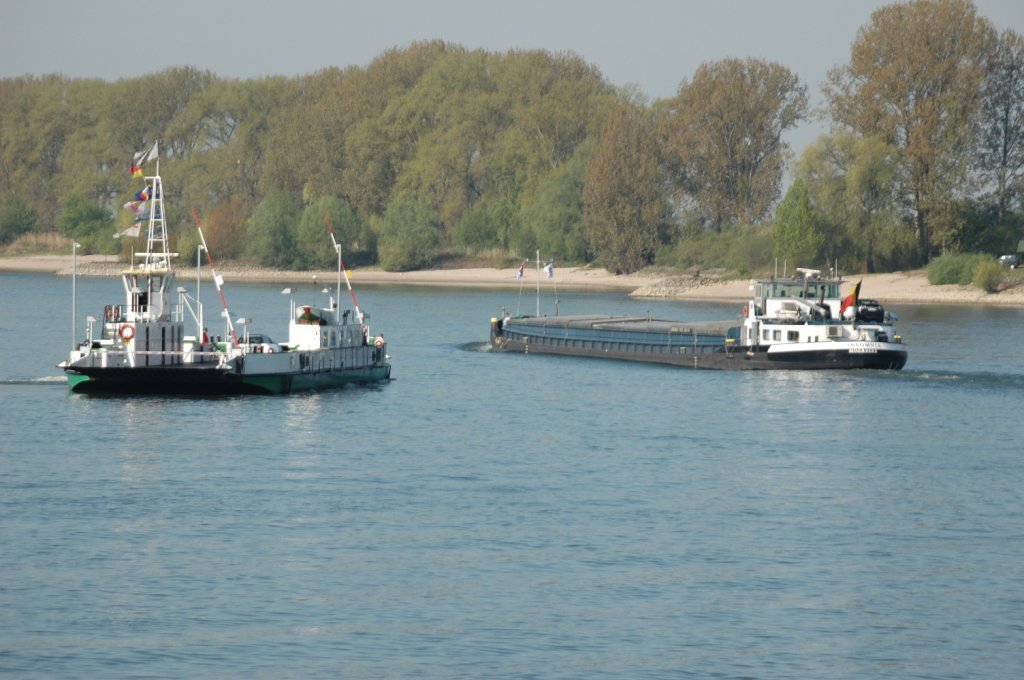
(807, 309)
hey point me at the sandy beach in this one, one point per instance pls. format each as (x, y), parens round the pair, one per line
(899, 287)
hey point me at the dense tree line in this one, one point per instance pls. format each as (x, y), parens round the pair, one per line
(434, 150)
(920, 79)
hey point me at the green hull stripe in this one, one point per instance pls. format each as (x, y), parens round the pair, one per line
(74, 380)
(300, 382)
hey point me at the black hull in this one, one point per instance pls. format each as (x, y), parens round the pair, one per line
(212, 381)
(720, 358)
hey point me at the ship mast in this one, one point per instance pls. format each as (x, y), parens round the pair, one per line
(150, 277)
(341, 269)
(157, 256)
(218, 280)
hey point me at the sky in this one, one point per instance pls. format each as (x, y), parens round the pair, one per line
(650, 44)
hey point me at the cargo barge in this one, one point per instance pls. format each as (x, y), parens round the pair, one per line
(789, 323)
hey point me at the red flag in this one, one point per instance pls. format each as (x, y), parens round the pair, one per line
(141, 157)
(851, 299)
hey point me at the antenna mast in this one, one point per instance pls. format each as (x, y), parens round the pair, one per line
(341, 268)
(217, 279)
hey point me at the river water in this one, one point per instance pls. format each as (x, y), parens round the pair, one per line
(490, 515)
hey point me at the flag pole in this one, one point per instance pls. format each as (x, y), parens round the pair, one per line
(521, 278)
(74, 290)
(555, 283)
(341, 269)
(216, 277)
(538, 283)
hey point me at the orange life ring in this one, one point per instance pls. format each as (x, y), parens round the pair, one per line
(746, 311)
(378, 342)
(127, 333)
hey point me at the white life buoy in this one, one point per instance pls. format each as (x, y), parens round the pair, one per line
(379, 342)
(127, 333)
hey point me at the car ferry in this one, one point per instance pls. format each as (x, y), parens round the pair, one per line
(142, 345)
(790, 323)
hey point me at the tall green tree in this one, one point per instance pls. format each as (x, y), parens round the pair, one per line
(853, 184)
(454, 115)
(178, 92)
(313, 242)
(34, 126)
(230, 165)
(89, 165)
(16, 218)
(380, 141)
(558, 100)
(410, 236)
(1001, 141)
(554, 213)
(270, 231)
(624, 210)
(797, 234)
(723, 138)
(914, 82)
(873, 222)
(87, 223)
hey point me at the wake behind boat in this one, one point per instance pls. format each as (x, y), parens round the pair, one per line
(790, 323)
(141, 346)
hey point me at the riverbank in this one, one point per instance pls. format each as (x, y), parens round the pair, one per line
(899, 287)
